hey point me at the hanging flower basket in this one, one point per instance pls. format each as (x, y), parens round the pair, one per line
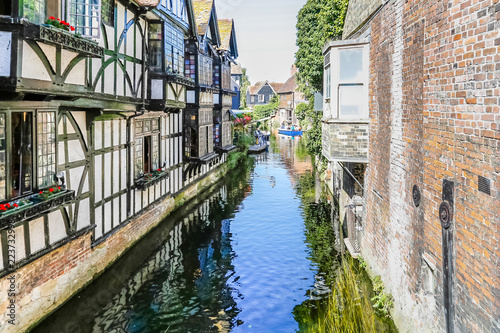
(149, 179)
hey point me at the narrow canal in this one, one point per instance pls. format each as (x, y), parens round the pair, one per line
(238, 259)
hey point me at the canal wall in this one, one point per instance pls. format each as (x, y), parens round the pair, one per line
(47, 282)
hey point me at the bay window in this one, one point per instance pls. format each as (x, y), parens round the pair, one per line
(346, 81)
(166, 45)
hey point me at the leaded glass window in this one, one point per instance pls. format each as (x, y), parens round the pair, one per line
(190, 67)
(216, 79)
(174, 48)
(108, 12)
(46, 144)
(35, 10)
(147, 146)
(205, 70)
(85, 16)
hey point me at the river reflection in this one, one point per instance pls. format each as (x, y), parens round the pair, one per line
(243, 258)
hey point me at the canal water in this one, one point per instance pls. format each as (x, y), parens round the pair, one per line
(248, 256)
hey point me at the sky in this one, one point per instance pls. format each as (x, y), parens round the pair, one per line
(265, 34)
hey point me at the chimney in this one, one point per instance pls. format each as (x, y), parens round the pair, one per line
(293, 70)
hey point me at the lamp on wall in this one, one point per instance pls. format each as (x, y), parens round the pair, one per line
(146, 4)
(60, 178)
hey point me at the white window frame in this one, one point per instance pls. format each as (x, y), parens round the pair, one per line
(261, 98)
(92, 17)
(332, 82)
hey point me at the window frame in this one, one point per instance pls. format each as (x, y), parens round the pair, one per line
(81, 29)
(332, 76)
(35, 145)
(261, 98)
(143, 135)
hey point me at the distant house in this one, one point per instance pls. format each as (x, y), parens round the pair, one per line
(236, 74)
(289, 98)
(262, 92)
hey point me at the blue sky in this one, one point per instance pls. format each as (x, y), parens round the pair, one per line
(265, 31)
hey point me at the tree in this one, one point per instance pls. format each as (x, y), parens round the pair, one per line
(245, 83)
(317, 22)
(264, 111)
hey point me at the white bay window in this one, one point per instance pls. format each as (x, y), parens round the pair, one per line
(346, 80)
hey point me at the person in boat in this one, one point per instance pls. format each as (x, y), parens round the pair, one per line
(293, 128)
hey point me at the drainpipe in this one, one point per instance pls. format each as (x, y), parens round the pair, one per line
(446, 219)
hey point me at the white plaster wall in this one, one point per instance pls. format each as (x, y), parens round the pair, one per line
(75, 151)
(75, 177)
(20, 246)
(116, 171)
(57, 229)
(1, 256)
(80, 120)
(98, 177)
(107, 175)
(107, 135)
(107, 217)
(5, 54)
(123, 199)
(98, 135)
(83, 218)
(50, 53)
(98, 222)
(32, 66)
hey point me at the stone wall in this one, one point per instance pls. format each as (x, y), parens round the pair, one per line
(434, 116)
(345, 141)
(47, 282)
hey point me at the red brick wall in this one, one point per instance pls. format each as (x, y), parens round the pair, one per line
(434, 110)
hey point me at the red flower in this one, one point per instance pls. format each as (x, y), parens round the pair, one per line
(15, 205)
(63, 22)
(72, 28)
(158, 170)
(41, 192)
(52, 18)
(59, 187)
(51, 190)
(59, 20)
(7, 205)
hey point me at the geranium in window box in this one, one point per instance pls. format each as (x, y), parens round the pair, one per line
(48, 194)
(14, 206)
(149, 179)
(58, 23)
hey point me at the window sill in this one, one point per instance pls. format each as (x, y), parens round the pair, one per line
(149, 180)
(36, 207)
(65, 39)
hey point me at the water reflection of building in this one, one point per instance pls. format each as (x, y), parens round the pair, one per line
(183, 278)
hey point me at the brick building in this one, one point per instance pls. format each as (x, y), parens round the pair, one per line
(428, 76)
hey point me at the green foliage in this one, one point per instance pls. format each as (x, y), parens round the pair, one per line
(245, 83)
(382, 302)
(314, 137)
(349, 308)
(264, 111)
(302, 111)
(317, 22)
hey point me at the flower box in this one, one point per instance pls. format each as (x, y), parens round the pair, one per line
(15, 207)
(67, 40)
(150, 179)
(35, 206)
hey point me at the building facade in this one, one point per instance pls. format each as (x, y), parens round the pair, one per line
(236, 76)
(262, 92)
(92, 134)
(289, 98)
(411, 132)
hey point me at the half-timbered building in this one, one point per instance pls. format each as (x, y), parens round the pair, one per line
(223, 100)
(201, 59)
(93, 96)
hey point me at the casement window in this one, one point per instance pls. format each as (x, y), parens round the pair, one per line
(34, 10)
(174, 49)
(108, 12)
(226, 77)
(261, 98)
(205, 74)
(346, 81)
(177, 8)
(27, 152)
(85, 16)
(147, 146)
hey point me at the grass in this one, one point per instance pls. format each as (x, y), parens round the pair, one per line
(349, 308)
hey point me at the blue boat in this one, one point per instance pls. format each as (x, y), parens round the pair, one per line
(289, 132)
